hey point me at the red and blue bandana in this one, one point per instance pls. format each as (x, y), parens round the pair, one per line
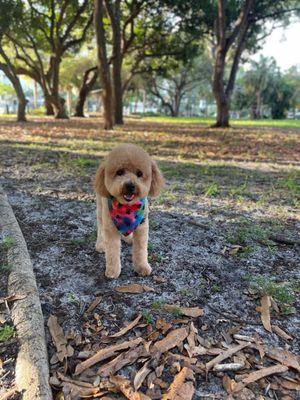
(127, 218)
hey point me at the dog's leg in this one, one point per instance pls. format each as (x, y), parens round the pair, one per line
(100, 242)
(140, 249)
(112, 242)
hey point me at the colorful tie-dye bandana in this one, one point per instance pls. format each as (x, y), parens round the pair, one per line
(127, 217)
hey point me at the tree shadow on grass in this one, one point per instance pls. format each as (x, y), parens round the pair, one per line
(238, 144)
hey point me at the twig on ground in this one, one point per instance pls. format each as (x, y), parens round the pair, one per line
(284, 240)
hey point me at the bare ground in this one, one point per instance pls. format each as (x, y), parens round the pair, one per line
(229, 193)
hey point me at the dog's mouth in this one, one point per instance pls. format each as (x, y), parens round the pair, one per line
(129, 197)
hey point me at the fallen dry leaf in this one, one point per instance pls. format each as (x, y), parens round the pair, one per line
(78, 389)
(193, 312)
(141, 375)
(127, 327)
(13, 297)
(179, 390)
(123, 386)
(134, 288)
(173, 339)
(225, 354)
(163, 326)
(58, 338)
(284, 357)
(235, 249)
(159, 279)
(256, 375)
(265, 302)
(280, 332)
(105, 353)
(121, 360)
(259, 346)
(286, 384)
(228, 384)
(93, 305)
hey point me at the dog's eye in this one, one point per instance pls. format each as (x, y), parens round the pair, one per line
(120, 172)
(139, 173)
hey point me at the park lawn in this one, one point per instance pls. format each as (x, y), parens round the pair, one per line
(280, 123)
(223, 232)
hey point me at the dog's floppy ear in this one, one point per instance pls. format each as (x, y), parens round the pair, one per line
(157, 180)
(99, 184)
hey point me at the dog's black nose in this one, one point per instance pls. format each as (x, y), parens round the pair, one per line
(129, 188)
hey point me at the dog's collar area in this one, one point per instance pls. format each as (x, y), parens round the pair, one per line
(127, 218)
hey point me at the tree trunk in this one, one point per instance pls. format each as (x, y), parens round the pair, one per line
(21, 115)
(103, 65)
(114, 13)
(57, 101)
(118, 93)
(59, 107)
(88, 82)
(48, 106)
(222, 100)
(11, 74)
(222, 113)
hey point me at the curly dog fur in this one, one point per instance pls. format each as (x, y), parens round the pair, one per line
(127, 174)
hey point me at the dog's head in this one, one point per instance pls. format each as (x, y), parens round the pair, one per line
(128, 174)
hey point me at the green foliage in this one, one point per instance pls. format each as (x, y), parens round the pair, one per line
(246, 232)
(211, 190)
(292, 182)
(6, 333)
(5, 268)
(282, 293)
(147, 317)
(263, 85)
(7, 243)
(157, 304)
(7, 90)
(11, 12)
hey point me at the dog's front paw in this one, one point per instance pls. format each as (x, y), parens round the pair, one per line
(112, 273)
(100, 247)
(143, 270)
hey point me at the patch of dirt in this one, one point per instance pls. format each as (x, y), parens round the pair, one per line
(193, 235)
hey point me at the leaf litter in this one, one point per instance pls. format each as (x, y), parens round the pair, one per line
(169, 366)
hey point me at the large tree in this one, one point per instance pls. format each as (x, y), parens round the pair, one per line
(49, 30)
(232, 26)
(79, 74)
(177, 79)
(264, 88)
(128, 32)
(11, 12)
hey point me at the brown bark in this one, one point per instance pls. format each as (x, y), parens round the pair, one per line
(223, 92)
(103, 65)
(115, 20)
(48, 106)
(88, 82)
(11, 74)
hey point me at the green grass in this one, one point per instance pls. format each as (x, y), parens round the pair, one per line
(147, 317)
(5, 268)
(211, 190)
(6, 333)
(282, 123)
(282, 292)
(7, 243)
(246, 232)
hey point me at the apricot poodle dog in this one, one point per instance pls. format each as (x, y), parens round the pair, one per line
(123, 182)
